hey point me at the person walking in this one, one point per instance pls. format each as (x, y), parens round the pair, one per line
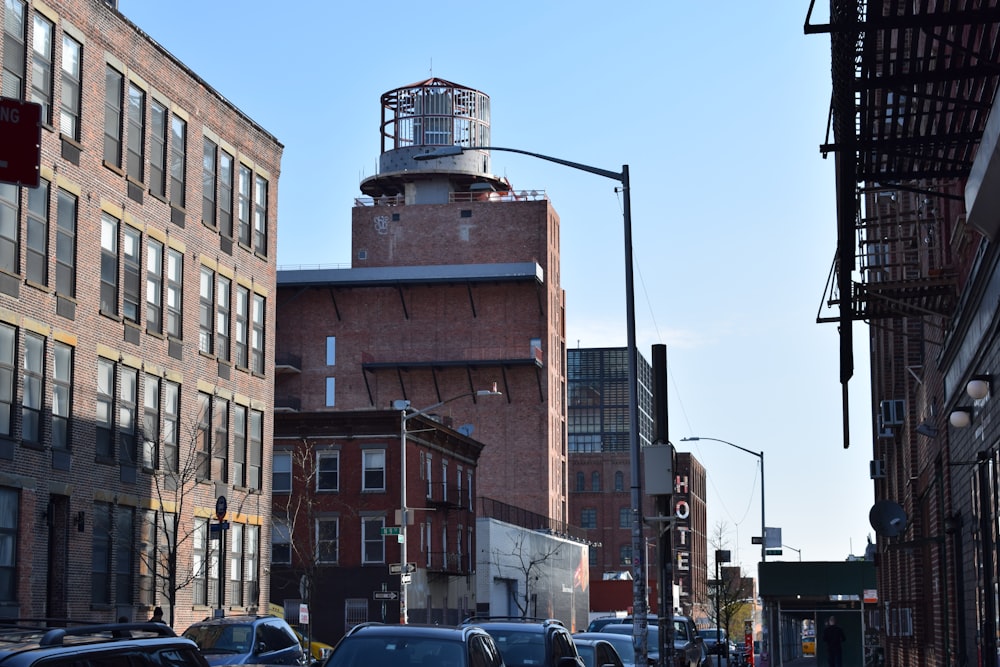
(157, 616)
(834, 638)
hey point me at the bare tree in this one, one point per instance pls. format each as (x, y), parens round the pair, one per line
(527, 562)
(730, 592)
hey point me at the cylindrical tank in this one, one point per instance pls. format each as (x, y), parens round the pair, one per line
(428, 114)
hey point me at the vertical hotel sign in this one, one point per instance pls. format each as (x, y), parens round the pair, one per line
(20, 142)
(682, 538)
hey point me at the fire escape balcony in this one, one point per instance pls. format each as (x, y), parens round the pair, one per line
(450, 564)
(442, 495)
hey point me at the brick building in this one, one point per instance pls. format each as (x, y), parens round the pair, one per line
(136, 328)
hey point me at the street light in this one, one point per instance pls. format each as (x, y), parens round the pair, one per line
(404, 416)
(760, 455)
(638, 540)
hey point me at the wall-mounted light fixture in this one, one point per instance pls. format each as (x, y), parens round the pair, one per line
(927, 429)
(80, 520)
(979, 386)
(960, 417)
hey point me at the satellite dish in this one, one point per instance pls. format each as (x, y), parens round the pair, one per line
(466, 430)
(887, 518)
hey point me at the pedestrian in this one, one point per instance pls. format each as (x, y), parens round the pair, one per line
(834, 638)
(157, 616)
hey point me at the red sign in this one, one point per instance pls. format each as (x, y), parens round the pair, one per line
(20, 141)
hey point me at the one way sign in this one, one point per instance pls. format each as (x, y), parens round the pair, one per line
(385, 595)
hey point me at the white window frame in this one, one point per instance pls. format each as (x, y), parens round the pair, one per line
(368, 458)
(331, 350)
(281, 533)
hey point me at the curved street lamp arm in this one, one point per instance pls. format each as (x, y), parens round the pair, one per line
(445, 151)
(759, 455)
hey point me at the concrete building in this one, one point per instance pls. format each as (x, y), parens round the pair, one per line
(914, 131)
(136, 329)
(453, 289)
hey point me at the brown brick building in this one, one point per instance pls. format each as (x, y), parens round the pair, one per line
(137, 290)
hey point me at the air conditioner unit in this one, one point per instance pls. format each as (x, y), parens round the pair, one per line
(892, 412)
(883, 430)
(877, 469)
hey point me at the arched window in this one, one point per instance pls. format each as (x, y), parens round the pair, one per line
(595, 481)
(619, 481)
(581, 483)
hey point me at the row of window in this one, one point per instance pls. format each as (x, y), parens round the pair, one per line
(588, 517)
(327, 542)
(373, 474)
(595, 481)
(142, 139)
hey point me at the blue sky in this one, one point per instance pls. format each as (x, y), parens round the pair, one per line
(717, 108)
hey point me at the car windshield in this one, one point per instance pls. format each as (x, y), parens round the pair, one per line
(713, 634)
(518, 647)
(652, 636)
(221, 638)
(395, 652)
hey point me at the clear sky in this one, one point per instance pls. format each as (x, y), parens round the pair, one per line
(718, 109)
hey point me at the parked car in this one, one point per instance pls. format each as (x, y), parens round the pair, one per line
(530, 642)
(809, 645)
(689, 649)
(716, 641)
(29, 644)
(622, 644)
(247, 640)
(597, 652)
(379, 645)
(599, 622)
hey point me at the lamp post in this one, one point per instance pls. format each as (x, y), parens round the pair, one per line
(638, 539)
(404, 416)
(760, 455)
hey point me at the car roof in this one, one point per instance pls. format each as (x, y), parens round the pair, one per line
(18, 638)
(235, 620)
(412, 630)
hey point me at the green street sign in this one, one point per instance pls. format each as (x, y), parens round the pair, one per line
(391, 530)
(772, 552)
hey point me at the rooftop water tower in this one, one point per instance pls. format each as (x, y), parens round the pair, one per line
(421, 117)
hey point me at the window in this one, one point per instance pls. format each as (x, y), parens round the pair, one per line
(62, 392)
(208, 180)
(175, 290)
(444, 480)
(109, 264)
(131, 280)
(468, 479)
(135, 165)
(124, 547)
(242, 326)
(203, 437)
(281, 542)
(105, 407)
(355, 611)
(592, 557)
(239, 445)
(331, 350)
(69, 101)
(624, 517)
(243, 205)
(31, 401)
(619, 481)
(260, 217)
(151, 422)
(331, 392)
(373, 473)
(178, 160)
(328, 471)
(206, 310)
(226, 194)
(158, 149)
(146, 552)
(327, 540)
(581, 482)
(625, 554)
(128, 397)
(9, 511)
(154, 286)
(8, 359)
(595, 481)
(10, 213)
(236, 564)
(14, 39)
(252, 562)
(100, 559)
(281, 473)
(429, 475)
(373, 547)
(223, 289)
(257, 335)
(41, 65)
(66, 244)
(588, 517)
(220, 441)
(37, 237)
(199, 561)
(256, 449)
(171, 421)
(114, 83)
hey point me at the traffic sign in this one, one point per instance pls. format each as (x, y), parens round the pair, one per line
(391, 530)
(221, 505)
(756, 540)
(20, 141)
(405, 578)
(385, 595)
(399, 568)
(218, 527)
